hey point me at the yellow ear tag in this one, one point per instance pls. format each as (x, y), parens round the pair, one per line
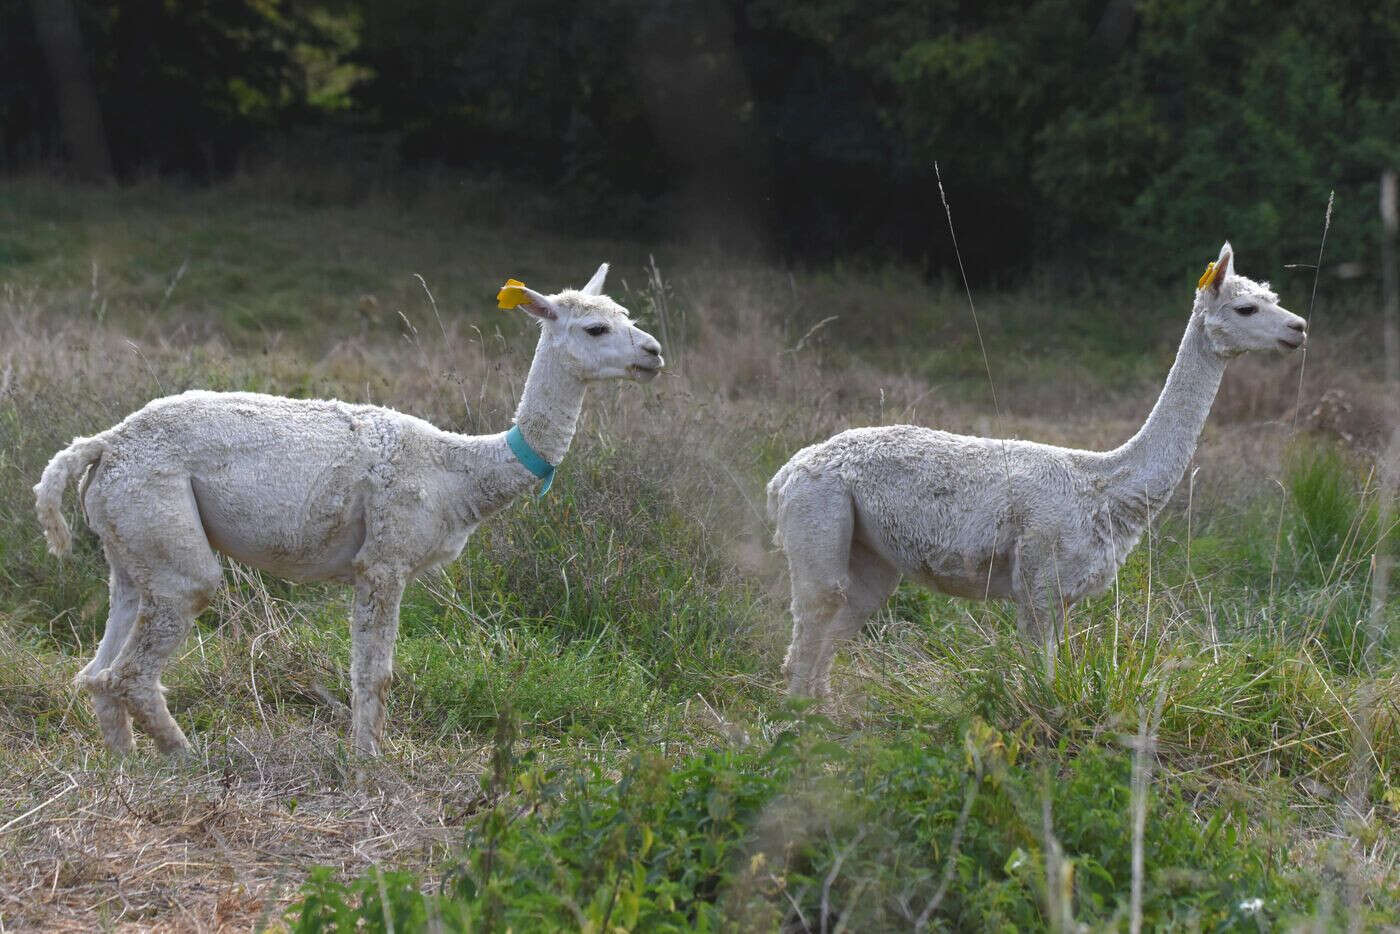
(1205, 276)
(511, 294)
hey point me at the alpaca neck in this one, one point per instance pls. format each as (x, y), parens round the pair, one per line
(1144, 471)
(549, 405)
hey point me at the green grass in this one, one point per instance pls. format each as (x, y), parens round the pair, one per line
(600, 666)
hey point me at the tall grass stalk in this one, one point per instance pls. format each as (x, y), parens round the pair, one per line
(1049, 625)
(1144, 748)
(1312, 302)
(1363, 756)
(657, 288)
(950, 862)
(1383, 558)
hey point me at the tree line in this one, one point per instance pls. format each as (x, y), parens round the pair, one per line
(1077, 133)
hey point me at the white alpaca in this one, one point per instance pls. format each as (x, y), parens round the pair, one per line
(310, 490)
(974, 517)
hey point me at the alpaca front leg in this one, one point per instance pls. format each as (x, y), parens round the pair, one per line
(1041, 623)
(1034, 621)
(1039, 598)
(373, 631)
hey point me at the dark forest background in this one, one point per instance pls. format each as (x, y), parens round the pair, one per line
(1071, 134)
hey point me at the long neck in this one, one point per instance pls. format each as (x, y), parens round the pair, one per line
(549, 405)
(1145, 470)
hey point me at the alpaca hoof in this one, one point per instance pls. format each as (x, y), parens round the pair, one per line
(364, 743)
(120, 746)
(173, 747)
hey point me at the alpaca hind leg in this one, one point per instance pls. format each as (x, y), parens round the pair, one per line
(164, 622)
(814, 607)
(815, 523)
(168, 556)
(374, 629)
(872, 580)
(124, 604)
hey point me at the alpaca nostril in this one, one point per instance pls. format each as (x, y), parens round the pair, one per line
(1300, 325)
(653, 349)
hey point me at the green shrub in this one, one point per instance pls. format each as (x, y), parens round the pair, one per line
(808, 831)
(376, 903)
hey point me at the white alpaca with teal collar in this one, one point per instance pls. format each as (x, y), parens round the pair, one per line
(309, 490)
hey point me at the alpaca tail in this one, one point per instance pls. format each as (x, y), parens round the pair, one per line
(48, 492)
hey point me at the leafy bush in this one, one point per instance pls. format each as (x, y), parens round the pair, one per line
(377, 903)
(807, 831)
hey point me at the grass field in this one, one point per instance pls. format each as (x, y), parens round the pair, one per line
(587, 726)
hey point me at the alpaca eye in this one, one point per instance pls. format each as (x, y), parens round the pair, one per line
(596, 330)
(1246, 309)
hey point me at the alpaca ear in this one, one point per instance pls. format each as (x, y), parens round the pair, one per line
(1224, 266)
(539, 305)
(595, 285)
(515, 294)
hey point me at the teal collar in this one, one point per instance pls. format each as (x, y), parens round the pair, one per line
(530, 458)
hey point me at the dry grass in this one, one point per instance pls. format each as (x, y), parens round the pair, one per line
(219, 841)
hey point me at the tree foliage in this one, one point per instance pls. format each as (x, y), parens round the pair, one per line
(1105, 131)
(184, 87)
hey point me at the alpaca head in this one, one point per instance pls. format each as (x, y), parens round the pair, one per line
(1242, 315)
(589, 334)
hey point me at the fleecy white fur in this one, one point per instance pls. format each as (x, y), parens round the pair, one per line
(1043, 526)
(307, 490)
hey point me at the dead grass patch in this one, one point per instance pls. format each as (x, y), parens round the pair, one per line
(219, 841)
